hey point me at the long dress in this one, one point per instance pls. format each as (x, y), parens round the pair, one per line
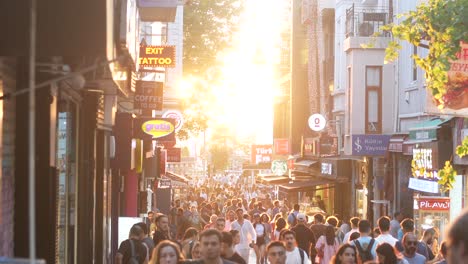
(328, 250)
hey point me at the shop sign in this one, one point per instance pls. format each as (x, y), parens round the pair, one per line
(148, 95)
(173, 154)
(261, 153)
(326, 168)
(423, 185)
(317, 122)
(311, 147)
(164, 183)
(370, 145)
(281, 146)
(177, 116)
(434, 204)
(423, 158)
(423, 134)
(279, 167)
(456, 97)
(157, 56)
(161, 129)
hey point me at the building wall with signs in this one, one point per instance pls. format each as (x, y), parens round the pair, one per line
(175, 37)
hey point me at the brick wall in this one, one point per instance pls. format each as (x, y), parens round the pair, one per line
(7, 154)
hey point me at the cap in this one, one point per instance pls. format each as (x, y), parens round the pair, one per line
(301, 217)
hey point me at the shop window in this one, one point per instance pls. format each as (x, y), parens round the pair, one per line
(373, 99)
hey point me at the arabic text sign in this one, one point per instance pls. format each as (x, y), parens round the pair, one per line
(370, 145)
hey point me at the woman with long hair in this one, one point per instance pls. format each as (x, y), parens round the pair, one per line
(346, 254)
(327, 245)
(167, 252)
(386, 255)
(279, 225)
(188, 240)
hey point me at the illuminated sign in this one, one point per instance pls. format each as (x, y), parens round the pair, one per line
(149, 95)
(157, 56)
(157, 128)
(261, 153)
(435, 204)
(177, 116)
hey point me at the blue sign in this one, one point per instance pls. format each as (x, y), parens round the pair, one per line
(370, 145)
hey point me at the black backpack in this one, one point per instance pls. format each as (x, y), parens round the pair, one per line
(133, 258)
(365, 254)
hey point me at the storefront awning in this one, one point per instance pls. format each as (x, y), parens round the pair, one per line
(396, 142)
(305, 163)
(298, 186)
(176, 177)
(429, 124)
(273, 179)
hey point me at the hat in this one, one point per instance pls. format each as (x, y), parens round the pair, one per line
(301, 217)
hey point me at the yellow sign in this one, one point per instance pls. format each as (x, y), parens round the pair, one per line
(157, 128)
(157, 56)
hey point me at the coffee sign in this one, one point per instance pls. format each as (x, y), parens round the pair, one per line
(149, 95)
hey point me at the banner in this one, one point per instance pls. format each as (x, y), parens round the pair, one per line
(370, 145)
(261, 153)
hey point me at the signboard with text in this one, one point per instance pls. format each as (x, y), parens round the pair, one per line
(173, 154)
(434, 203)
(161, 129)
(281, 146)
(261, 153)
(157, 56)
(148, 95)
(370, 145)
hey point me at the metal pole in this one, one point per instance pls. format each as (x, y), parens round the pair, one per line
(31, 135)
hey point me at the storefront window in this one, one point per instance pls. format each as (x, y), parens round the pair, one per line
(66, 181)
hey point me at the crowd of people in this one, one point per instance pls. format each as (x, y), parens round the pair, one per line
(215, 230)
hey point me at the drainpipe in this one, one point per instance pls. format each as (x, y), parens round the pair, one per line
(31, 135)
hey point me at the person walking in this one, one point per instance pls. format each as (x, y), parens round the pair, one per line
(227, 249)
(248, 237)
(294, 254)
(304, 236)
(132, 250)
(410, 243)
(354, 221)
(327, 246)
(365, 244)
(276, 253)
(346, 254)
(210, 247)
(162, 229)
(385, 236)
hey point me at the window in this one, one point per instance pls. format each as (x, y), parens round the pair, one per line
(373, 99)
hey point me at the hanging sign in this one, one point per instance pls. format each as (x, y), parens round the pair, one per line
(157, 56)
(261, 153)
(434, 203)
(148, 95)
(177, 116)
(173, 154)
(161, 129)
(279, 167)
(317, 122)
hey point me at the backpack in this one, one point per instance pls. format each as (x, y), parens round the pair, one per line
(302, 253)
(365, 255)
(133, 258)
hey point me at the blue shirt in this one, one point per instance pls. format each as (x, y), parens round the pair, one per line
(364, 242)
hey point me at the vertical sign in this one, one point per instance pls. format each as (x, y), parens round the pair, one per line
(281, 146)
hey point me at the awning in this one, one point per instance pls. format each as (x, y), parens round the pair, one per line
(396, 142)
(305, 163)
(298, 186)
(176, 177)
(274, 179)
(433, 123)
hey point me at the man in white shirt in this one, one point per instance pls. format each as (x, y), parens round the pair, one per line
(385, 237)
(354, 228)
(248, 237)
(294, 255)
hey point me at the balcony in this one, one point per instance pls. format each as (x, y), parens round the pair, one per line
(364, 27)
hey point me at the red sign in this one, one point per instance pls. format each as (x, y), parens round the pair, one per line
(162, 164)
(261, 153)
(434, 204)
(281, 146)
(173, 154)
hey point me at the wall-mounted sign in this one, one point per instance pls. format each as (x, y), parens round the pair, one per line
(326, 168)
(173, 154)
(281, 146)
(279, 167)
(317, 122)
(434, 203)
(148, 95)
(157, 56)
(177, 116)
(423, 185)
(164, 183)
(261, 153)
(161, 129)
(370, 145)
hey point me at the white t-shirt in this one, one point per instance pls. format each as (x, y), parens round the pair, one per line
(294, 257)
(386, 238)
